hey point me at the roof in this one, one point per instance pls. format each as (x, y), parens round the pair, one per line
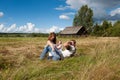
(71, 30)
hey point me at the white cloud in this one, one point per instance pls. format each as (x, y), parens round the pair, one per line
(99, 7)
(2, 28)
(114, 12)
(12, 28)
(72, 4)
(69, 13)
(1, 14)
(28, 28)
(64, 17)
(62, 7)
(75, 4)
(55, 29)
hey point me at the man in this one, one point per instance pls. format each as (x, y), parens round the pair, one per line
(70, 49)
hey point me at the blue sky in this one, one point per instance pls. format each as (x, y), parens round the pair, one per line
(51, 15)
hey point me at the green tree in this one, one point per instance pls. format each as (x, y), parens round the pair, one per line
(115, 30)
(96, 30)
(105, 27)
(117, 23)
(84, 18)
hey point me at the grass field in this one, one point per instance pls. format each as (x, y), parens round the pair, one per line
(97, 58)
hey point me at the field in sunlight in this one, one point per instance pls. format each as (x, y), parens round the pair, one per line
(97, 58)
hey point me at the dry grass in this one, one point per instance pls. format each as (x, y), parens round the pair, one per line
(97, 58)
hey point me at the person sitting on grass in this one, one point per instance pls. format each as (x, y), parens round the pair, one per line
(70, 50)
(50, 47)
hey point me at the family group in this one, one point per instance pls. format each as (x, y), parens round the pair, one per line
(58, 50)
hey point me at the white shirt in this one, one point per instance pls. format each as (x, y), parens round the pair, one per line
(66, 53)
(73, 50)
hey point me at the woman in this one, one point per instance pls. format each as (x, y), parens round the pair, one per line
(51, 47)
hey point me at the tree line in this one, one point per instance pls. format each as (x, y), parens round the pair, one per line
(84, 17)
(24, 34)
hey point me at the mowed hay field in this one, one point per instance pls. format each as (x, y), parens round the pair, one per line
(97, 58)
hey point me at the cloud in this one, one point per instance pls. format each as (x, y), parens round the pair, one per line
(62, 7)
(64, 17)
(2, 28)
(103, 9)
(114, 12)
(1, 14)
(28, 28)
(12, 28)
(55, 29)
(71, 4)
(75, 4)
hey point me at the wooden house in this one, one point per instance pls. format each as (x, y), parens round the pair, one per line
(73, 31)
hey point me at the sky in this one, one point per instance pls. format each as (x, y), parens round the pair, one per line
(36, 16)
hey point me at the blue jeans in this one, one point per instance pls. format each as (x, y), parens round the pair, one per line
(47, 49)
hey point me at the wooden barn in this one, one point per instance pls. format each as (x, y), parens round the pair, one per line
(73, 31)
